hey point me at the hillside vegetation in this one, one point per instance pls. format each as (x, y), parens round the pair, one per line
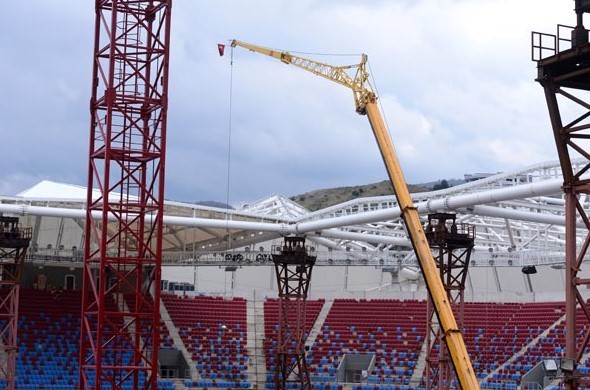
(319, 199)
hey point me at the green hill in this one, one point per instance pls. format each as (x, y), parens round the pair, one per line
(319, 199)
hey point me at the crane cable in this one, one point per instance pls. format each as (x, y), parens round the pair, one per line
(229, 134)
(379, 101)
(316, 53)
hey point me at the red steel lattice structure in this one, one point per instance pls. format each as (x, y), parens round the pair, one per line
(14, 241)
(293, 266)
(453, 243)
(123, 237)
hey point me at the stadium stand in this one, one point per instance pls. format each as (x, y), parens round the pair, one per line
(271, 327)
(214, 332)
(497, 333)
(390, 330)
(48, 339)
(504, 340)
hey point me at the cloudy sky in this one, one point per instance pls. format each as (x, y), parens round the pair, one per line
(455, 81)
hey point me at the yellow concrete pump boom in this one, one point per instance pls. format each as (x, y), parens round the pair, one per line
(366, 104)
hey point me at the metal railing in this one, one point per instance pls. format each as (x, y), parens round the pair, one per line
(381, 259)
(545, 45)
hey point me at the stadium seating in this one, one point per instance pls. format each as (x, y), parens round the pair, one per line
(394, 331)
(48, 341)
(48, 337)
(165, 338)
(271, 327)
(504, 340)
(390, 329)
(214, 331)
(496, 333)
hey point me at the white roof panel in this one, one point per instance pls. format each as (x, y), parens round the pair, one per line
(47, 189)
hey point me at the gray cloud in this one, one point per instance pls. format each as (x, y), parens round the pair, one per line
(455, 79)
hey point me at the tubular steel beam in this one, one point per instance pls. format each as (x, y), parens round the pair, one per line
(565, 79)
(14, 241)
(293, 266)
(119, 338)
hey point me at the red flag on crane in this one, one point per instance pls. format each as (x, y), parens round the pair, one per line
(221, 49)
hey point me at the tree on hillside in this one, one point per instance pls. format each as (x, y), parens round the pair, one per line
(441, 186)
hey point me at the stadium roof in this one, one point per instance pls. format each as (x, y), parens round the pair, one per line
(518, 212)
(47, 189)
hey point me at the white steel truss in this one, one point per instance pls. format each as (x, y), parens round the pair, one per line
(519, 220)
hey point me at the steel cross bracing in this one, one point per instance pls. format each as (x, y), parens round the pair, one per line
(276, 205)
(565, 78)
(505, 230)
(293, 268)
(452, 242)
(14, 242)
(124, 220)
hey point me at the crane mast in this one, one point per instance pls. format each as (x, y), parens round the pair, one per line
(366, 104)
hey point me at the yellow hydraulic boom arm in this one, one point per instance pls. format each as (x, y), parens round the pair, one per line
(366, 104)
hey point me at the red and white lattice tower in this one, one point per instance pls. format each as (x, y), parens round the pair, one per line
(123, 237)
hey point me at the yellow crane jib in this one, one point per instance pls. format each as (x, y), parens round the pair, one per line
(366, 104)
(358, 82)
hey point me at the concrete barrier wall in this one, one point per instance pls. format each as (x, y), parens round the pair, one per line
(484, 284)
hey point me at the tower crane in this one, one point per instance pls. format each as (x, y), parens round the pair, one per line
(365, 100)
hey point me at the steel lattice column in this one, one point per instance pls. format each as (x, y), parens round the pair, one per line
(566, 81)
(14, 241)
(123, 235)
(454, 243)
(293, 266)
